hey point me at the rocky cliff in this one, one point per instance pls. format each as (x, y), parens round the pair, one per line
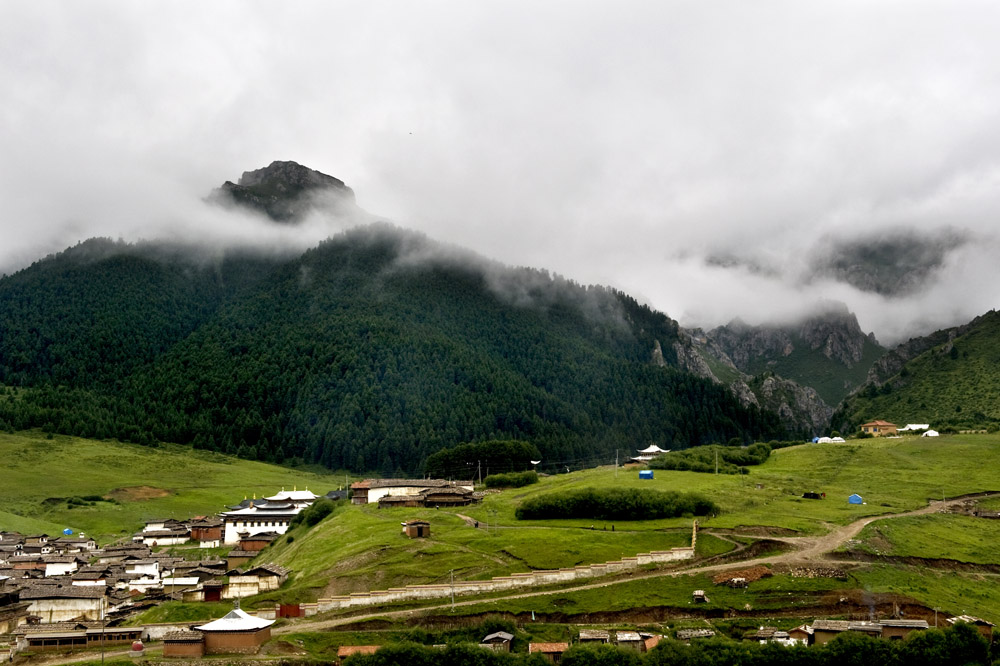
(285, 192)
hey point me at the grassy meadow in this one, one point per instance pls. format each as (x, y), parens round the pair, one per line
(41, 474)
(940, 536)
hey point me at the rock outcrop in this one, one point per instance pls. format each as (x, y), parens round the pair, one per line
(286, 192)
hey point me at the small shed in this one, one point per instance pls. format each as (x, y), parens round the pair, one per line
(699, 597)
(551, 651)
(855, 499)
(646, 474)
(629, 639)
(417, 529)
(498, 641)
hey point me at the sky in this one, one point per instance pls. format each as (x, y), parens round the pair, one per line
(714, 159)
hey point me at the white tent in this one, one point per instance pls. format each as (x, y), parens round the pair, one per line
(930, 433)
(652, 450)
(915, 426)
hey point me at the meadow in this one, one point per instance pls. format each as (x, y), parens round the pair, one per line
(129, 483)
(950, 536)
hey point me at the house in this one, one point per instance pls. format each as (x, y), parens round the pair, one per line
(879, 428)
(900, 629)
(594, 636)
(824, 631)
(687, 634)
(417, 529)
(236, 632)
(370, 491)
(70, 635)
(61, 565)
(498, 641)
(298, 498)
(650, 642)
(983, 626)
(13, 612)
(207, 532)
(189, 644)
(65, 603)
(629, 639)
(255, 516)
(551, 651)
(801, 634)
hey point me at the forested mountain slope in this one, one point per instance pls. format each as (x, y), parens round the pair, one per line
(951, 378)
(370, 351)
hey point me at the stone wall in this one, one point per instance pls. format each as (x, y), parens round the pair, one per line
(498, 584)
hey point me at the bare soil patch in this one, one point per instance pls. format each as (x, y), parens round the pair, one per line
(137, 493)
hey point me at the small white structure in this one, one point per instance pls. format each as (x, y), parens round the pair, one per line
(648, 453)
(931, 433)
(915, 426)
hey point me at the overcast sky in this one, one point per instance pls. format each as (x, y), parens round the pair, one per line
(702, 156)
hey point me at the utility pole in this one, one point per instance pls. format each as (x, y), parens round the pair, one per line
(479, 465)
(452, 590)
(616, 463)
(717, 461)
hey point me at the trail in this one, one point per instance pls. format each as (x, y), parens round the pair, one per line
(806, 550)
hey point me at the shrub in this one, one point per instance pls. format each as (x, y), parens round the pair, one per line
(511, 480)
(615, 504)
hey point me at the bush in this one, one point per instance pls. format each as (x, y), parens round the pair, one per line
(728, 460)
(615, 504)
(313, 513)
(511, 480)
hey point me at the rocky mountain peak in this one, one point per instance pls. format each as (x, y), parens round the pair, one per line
(285, 191)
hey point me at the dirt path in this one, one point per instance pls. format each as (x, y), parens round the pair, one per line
(806, 550)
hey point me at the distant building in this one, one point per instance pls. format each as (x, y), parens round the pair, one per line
(370, 491)
(498, 642)
(879, 428)
(551, 651)
(417, 529)
(236, 632)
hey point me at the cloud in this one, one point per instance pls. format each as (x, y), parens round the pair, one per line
(634, 145)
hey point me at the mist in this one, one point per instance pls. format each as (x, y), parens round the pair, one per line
(713, 160)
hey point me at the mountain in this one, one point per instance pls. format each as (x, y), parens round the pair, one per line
(369, 352)
(284, 191)
(950, 378)
(827, 351)
(798, 371)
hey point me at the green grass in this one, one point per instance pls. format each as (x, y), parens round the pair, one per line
(952, 592)
(949, 536)
(378, 555)
(780, 592)
(178, 611)
(40, 474)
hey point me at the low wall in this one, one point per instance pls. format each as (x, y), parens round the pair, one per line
(499, 583)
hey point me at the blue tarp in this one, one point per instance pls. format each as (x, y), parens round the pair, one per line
(646, 474)
(855, 499)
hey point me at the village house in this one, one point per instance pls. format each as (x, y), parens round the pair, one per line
(899, 629)
(879, 428)
(984, 627)
(74, 635)
(629, 639)
(207, 532)
(371, 491)
(235, 633)
(594, 636)
(189, 644)
(65, 603)
(498, 641)
(255, 516)
(551, 651)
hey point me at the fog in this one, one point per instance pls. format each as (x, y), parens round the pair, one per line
(715, 160)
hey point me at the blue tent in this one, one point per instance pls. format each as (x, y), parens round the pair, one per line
(815, 439)
(855, 499)
(67, 531)
(646, 474)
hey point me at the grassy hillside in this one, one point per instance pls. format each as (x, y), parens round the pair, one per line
(139, 483)
(955, 384)
(361, 548)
